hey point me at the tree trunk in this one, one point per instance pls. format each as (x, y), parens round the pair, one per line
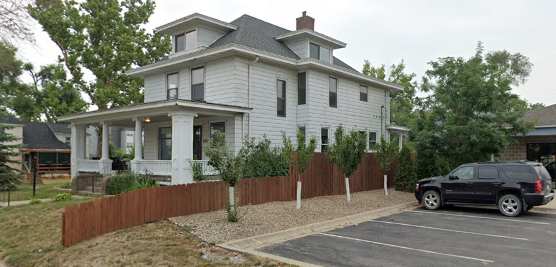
(347, 190)
(385, 184)
(231, 198)
(298, 195)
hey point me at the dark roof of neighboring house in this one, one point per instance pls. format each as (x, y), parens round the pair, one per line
(62, 128)
(37, 135)
(258, 34)
(545, 116)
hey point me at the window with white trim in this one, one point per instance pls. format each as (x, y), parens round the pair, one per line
(324, 140)
(319, 52)
(185, 41)
(281, 98)
(363, 93)
(372, 140)
(333, 93)
(198, 84)
(172, 85)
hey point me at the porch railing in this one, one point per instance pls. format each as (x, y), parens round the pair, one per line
(207, 169)
(87, 165)
(156, 167)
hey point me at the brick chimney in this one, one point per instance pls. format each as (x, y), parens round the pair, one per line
(305, 22)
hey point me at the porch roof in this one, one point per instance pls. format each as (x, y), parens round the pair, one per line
(154, 109)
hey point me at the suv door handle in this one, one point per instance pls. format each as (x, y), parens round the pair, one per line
(497, 183)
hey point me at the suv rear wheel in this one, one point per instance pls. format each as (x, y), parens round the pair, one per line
(431, 200)
(510, 205)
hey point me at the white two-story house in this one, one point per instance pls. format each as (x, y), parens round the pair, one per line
(246, 78)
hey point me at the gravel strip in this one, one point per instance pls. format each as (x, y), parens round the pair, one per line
(271, 217)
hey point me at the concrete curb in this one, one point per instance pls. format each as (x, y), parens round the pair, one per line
(544, 210)
(249, 245)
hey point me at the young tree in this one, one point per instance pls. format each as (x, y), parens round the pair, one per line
(406, 176)
(347, 152)
(299, 157)
(8, 151)
(104, 38)
(472, 111)
(386, 153)
(230, 166)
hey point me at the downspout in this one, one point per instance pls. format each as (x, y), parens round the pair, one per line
(249, 96)
(381, 123)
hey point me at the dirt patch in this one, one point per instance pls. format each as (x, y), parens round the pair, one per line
(154, 244)
(275, 216)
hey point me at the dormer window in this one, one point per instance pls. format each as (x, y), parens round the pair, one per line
(185, 41)
(319, 52)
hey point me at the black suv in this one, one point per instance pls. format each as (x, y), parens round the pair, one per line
(513, 187)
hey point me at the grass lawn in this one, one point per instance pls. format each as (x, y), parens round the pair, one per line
(25, 191)
(31, 236)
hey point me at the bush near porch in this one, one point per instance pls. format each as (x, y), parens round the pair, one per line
(129, 181)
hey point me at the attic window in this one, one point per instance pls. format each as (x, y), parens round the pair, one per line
(319, 52)
(185, 41)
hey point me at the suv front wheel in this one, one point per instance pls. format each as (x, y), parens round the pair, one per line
(431, 200)
(510, 205)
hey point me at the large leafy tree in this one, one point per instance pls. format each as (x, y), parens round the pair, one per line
(403, 103)
(103, 38)
(472, 112)
(50, 94)
(14, 22)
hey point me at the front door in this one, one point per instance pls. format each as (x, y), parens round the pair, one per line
(198, 142)
(459, 188)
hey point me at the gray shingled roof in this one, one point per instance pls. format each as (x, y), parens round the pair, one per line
(62, 128)
(37, 135)
(258, 34)
(546, 116)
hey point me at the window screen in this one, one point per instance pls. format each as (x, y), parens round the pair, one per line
(333, 93)
(281, 98)
(198, 84)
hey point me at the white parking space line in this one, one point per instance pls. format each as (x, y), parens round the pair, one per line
(481, 217)
(450, 230)
(407, 248)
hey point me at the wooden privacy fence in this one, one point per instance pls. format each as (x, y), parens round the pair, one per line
(89, 219)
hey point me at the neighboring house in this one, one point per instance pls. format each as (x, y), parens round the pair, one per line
(243, 78)
(539, 144)
(41, 144)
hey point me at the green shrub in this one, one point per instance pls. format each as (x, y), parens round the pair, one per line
(62, 197)
(264, 160)
(35, 201)
(406, 176)
(129, 181)
(66, 185)
(197, 168)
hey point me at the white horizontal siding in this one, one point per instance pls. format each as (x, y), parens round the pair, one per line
(206, 36)
(155, 87)
(300, 47)
(351, 112)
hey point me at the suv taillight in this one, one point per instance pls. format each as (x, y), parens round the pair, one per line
(538, 186)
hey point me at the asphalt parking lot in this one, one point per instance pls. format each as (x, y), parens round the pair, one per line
(449, 237)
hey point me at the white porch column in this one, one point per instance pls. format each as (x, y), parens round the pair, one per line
(182, 147)
(138, 139)
(400, 136)
(77, 146)
(105, 160)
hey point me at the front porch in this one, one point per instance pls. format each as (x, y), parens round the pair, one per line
(169, 136)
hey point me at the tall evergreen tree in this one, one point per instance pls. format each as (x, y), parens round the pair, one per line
(8, 155)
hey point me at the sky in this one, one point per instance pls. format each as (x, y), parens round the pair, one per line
(386, 32)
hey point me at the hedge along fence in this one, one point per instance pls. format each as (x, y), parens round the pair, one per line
(89, 219)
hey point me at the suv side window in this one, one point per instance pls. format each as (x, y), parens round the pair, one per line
(519, 173)
(465, 173)
(488, 172)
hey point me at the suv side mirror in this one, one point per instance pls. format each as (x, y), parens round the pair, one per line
(452, 177)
